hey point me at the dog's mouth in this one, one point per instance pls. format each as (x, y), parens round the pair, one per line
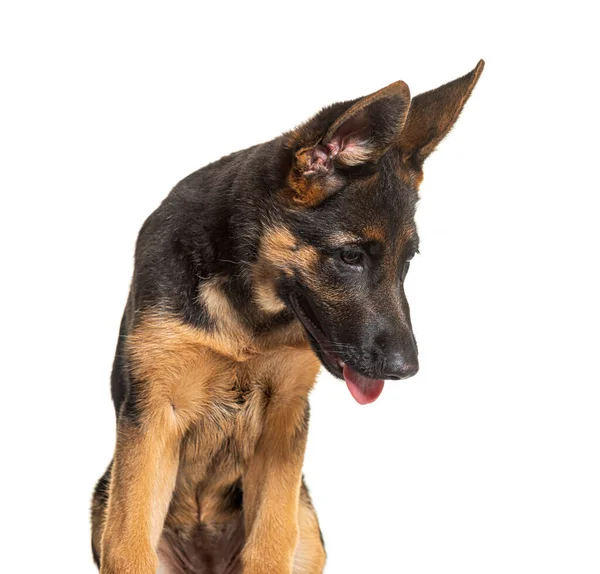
(363, 389)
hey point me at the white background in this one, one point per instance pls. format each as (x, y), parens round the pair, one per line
(488, 460)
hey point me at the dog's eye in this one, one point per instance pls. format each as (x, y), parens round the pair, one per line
(352, 256)
(406, 264)
(405, 269)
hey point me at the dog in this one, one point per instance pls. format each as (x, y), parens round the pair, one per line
(253, 273)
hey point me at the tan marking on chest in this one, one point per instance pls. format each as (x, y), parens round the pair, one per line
(220, 391)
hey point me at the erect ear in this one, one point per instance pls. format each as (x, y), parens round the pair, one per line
(326, 145)
(432, 115)
(365, 131)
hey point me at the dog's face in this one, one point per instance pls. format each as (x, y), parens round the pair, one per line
(341, 251)
(349, 293)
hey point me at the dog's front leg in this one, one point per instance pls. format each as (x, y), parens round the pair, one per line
(143, 478)
(271, 491)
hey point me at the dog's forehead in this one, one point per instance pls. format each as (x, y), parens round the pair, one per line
(379, 208)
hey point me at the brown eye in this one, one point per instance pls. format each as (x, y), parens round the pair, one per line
(352, 256)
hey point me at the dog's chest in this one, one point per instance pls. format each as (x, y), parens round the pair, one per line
(227, 433)
(215, 453)
(218, 448)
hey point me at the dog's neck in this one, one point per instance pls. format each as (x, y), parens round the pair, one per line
(237, 333)
(242, 204)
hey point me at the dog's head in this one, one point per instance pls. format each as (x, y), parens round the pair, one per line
(338, 252)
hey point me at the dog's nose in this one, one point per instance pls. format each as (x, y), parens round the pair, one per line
(398, 366)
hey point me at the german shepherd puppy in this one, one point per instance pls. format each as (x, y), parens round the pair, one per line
(254, 272)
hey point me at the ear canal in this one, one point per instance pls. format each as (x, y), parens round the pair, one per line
(432, 115)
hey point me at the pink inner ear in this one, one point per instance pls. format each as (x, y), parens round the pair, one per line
(320, 160)
(322, 155)
(349, 141)
(333, 147)
(350, 132)
(347, 144)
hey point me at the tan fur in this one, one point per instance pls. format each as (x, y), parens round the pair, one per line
(143, 477)
(310, 554)
(280, 253)
(340, 239)
(356, 154)
(275, 252)
(374, 233)
(272, 489)
(306, 191)
(199, 391)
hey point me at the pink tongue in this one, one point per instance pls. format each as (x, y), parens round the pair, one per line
(363, 389)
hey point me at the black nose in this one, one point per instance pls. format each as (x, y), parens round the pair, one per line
(398, 366)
